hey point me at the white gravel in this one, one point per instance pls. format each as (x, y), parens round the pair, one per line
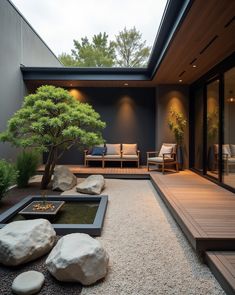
(148, 252)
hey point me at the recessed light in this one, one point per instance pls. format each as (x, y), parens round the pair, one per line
(125, 84)
(180, 80)
(194, 66)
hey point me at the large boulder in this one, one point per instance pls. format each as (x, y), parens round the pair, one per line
(92, 185)
(27, 283)
(63, 179)
(78, 258)
(25, 240)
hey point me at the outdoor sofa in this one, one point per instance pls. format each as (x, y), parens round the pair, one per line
(228, 153)
(113, 153)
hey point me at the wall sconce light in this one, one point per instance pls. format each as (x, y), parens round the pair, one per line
(231, 98)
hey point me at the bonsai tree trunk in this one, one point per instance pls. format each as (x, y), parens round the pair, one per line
(49, 167)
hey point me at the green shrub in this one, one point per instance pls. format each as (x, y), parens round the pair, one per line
(26, 164)
(8, 176)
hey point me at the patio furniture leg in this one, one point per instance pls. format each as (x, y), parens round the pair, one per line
(148, 165)
(102, 163)
(163, 168)
(121, 164)
(177, 167)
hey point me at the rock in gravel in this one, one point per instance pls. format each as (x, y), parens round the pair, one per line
(92, 185)
(25, 240)
(78, 258)
(29, 282)
(63, 179)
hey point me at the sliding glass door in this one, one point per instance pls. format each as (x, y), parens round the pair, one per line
(212, 128)
(228, 149)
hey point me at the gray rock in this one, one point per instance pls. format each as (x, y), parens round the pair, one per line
(78, 258)
(92, 185)
(63, 179)
(29, 282)
(25, 240)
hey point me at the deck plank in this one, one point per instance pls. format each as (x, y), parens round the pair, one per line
(206, 210)
(222, 264)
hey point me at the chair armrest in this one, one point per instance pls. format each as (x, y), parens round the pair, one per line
(153, 152)
(138, 153)
(86, 152)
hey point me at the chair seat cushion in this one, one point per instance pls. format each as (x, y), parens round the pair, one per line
(93, 157)
(129, 149)
(130, 157)
(112, 156)
(231, 160)
(160, 159)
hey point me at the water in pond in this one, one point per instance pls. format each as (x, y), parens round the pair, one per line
(71, 213)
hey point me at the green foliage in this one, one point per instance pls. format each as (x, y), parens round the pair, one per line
(26, 164)
(131, 50)
(177, 124)
(67, 60)
(98, 53)
(213, 123)
(51, 120)
(8, 175)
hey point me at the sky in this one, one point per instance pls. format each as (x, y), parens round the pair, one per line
(59, 22)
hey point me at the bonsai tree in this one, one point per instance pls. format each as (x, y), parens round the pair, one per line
(177, 124)
(52, 121)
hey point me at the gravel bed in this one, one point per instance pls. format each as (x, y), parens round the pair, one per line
(148, 252)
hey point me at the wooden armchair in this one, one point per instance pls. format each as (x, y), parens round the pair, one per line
(166, 156)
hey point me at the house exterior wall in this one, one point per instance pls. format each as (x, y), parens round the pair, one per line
(129, 114)
(167, 97)
(19, 45)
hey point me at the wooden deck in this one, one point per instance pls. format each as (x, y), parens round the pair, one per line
(204, 210)
(108, 172)
(222, 265)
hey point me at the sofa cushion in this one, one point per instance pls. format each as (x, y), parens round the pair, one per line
(232, 149)
(226, 150)
(98, 151)
(130, 157)
(112, 156)
(165, 149)
(160, 159)
(113, 149)
(129, 149)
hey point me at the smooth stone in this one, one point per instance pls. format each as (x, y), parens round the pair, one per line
(92, 185)
(78, 258)
(29, 282)
(63, 179)
(25, 240)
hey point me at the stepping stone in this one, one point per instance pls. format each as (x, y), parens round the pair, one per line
(29, 282)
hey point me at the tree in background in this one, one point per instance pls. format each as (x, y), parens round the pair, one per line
(51, 120)
(67, 60)
(128, 50)
(131, 51)
(98, 53)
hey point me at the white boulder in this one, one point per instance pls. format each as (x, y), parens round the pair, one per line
(92, 185)
(23, 241)
(27, 283)
(63, 179)
(78, 258)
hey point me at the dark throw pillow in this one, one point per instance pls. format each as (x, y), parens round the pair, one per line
(98, 151)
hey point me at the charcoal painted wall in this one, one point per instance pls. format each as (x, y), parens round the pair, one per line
(19, 45)
(128, 112)
(167, 97)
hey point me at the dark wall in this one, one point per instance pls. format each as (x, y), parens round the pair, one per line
(129, 114)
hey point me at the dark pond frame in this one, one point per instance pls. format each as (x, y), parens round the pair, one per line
(93, 229)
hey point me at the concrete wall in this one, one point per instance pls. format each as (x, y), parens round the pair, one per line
(168, 96)
(19, 45)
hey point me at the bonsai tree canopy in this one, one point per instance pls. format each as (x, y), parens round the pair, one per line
(52, 121)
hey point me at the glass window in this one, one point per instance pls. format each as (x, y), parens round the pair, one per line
(228, 149)
(213, 128)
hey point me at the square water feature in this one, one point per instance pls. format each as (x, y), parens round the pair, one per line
(79, 214)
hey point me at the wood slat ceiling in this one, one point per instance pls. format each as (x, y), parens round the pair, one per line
(206, 21)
